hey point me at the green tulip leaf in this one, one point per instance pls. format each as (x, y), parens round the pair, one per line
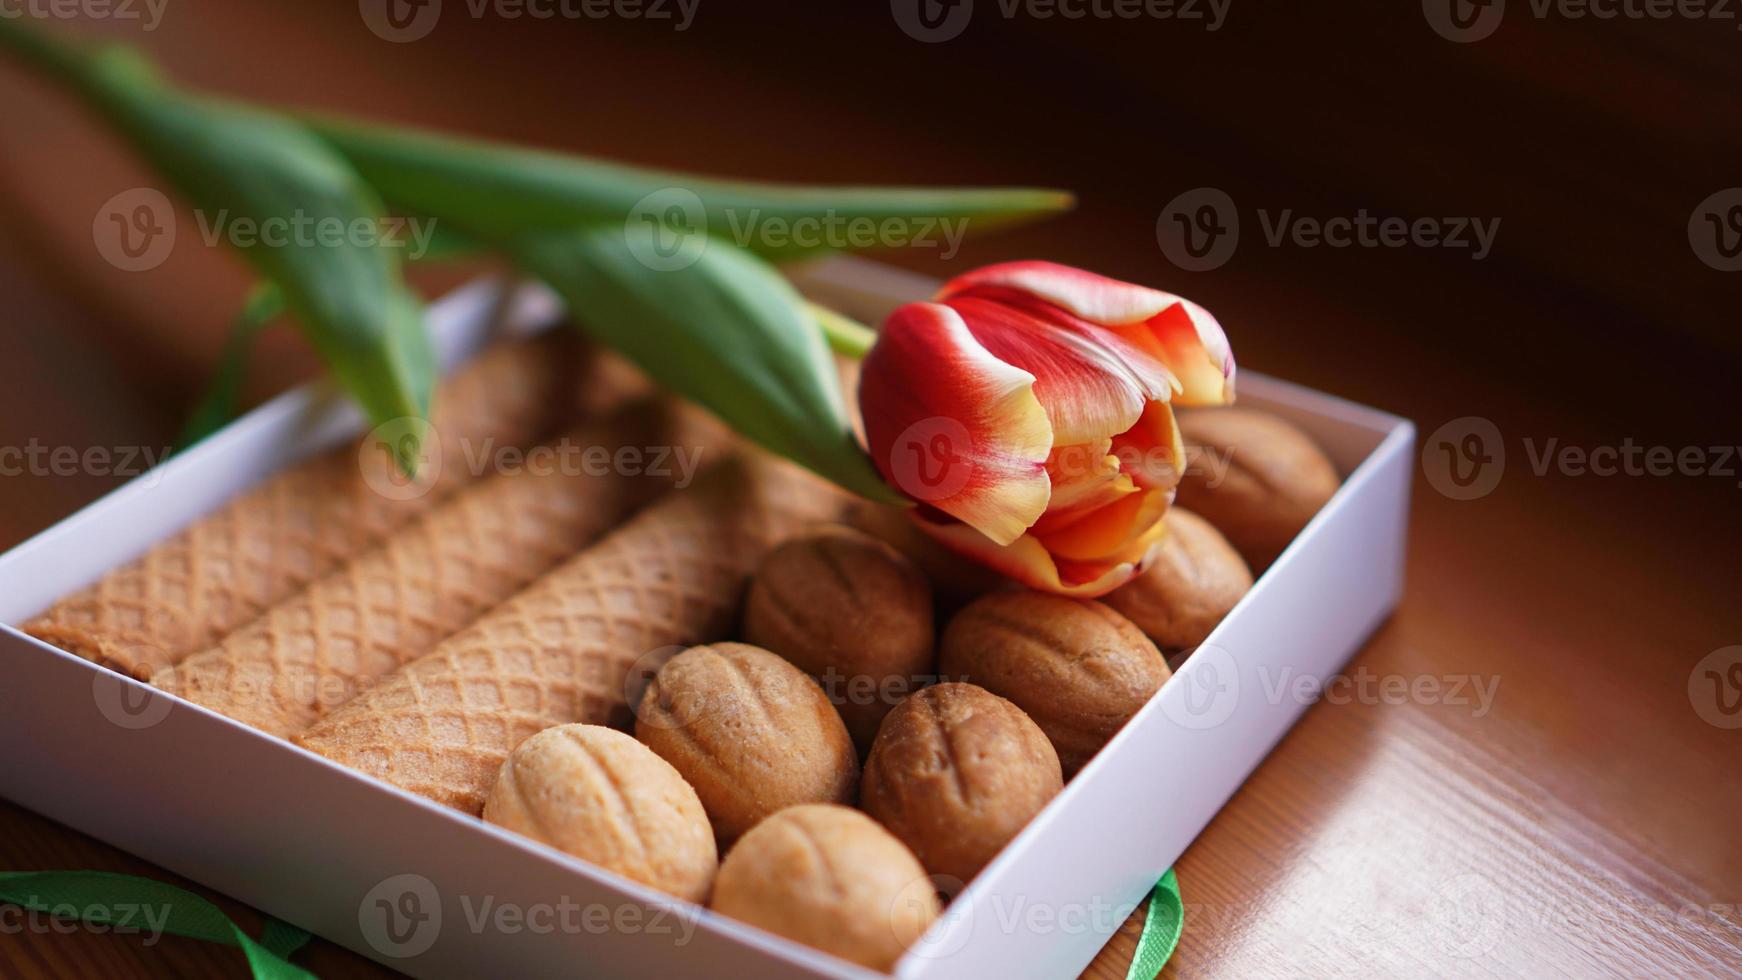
(246, 171)
(671, 269)
(499, 192)
(718, 326)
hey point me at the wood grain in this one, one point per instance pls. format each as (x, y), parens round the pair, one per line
(1582, 823)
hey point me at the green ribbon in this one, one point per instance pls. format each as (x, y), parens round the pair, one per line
(124, 900)
(115, 899)
(1161, 930)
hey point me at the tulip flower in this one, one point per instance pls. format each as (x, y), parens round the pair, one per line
(1028, 409)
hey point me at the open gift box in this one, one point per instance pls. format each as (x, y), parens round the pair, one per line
(433, 892)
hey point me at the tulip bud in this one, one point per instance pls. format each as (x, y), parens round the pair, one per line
(1029, 409)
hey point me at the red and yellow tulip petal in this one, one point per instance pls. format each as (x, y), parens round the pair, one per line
(1197, 351)
(1027, 562)
(1089, 387)
(1152, 452)
(1142, 548)
(954, 426)
(1137, 353)
(1113, 533)
(1084, 479)
(1186, 337)
(1093, 297)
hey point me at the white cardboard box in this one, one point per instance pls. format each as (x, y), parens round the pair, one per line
(435, 893)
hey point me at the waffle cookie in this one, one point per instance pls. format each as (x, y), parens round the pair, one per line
(564, 650)
(313, 652)
(225, 569)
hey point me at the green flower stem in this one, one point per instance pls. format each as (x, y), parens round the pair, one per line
(218, 407)
(846, 336)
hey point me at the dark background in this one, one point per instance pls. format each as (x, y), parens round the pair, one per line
(1591, 141)
(1594, 320)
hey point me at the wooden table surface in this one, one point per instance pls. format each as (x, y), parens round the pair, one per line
(1586, 819)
